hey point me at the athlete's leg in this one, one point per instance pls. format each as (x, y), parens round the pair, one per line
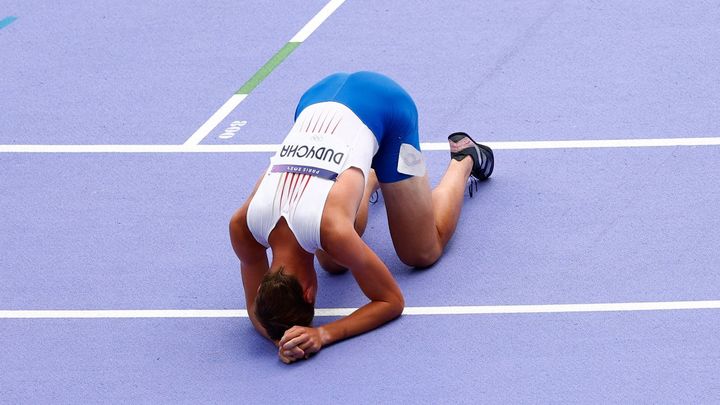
(422, 221)
(327, 263)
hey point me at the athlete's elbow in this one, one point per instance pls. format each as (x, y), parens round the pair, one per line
(397, 305)
(238, 224)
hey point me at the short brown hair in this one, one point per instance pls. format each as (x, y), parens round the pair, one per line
(280, 304)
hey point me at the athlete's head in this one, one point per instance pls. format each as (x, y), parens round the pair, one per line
(281, 304)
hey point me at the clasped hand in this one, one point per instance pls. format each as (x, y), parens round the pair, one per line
(299, 342)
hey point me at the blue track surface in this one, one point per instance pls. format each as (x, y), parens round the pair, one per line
(539, 70)
(149, 231)
(132, 72)
(555, 226)
(562, 358)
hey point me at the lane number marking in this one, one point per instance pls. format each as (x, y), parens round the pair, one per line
(233, 129)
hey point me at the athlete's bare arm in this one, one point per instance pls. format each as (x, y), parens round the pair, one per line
(253, 259)
(342, 242)
(361, 219)
(373, 277)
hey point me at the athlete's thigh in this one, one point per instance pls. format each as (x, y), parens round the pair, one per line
(411, 220)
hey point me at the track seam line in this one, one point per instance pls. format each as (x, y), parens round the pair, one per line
(323, 312)
(237, 98)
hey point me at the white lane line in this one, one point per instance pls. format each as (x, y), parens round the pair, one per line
(316, 21)
(601, 143)
(125, 313)
(136, 148)
(443, 310)
(215, 119)
(587, 143)
(427, 146)
(265, 70)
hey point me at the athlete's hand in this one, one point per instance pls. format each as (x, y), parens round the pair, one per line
(299, 342)
(289, 356)
(292, 355)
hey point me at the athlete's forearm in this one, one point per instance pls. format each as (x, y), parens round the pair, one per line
(366, 318)
(374, 279)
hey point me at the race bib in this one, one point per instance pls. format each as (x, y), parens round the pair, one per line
(321, 155)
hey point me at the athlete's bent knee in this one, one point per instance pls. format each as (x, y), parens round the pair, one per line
(420, 258)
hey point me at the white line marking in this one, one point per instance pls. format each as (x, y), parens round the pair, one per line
(230, 105)
(316, 21)
(136, 148)
(215, 119)
(446, 310)
(125, 313)
(593, 143)
(426, 146)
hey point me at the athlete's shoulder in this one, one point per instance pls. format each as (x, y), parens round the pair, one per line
(341, 204)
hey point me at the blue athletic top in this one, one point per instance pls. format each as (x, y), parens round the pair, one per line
(382, 105)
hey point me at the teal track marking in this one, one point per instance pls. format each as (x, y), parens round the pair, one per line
(7, 21)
